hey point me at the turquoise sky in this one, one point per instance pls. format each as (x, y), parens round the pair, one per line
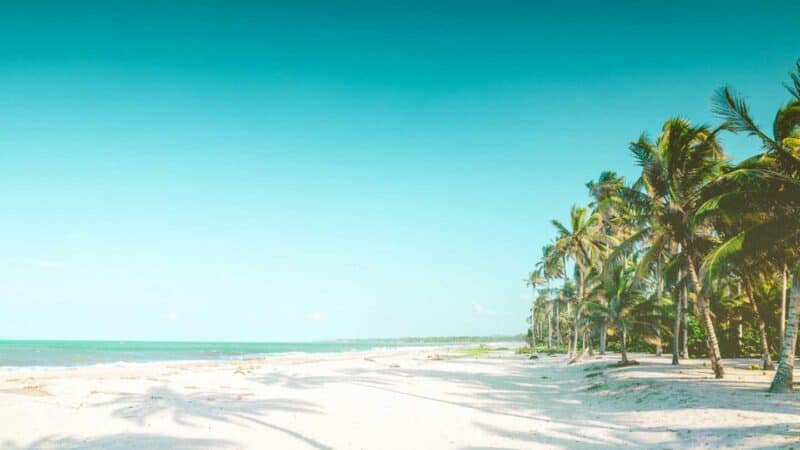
(254, 171)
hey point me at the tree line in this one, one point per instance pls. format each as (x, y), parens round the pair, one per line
(698, 256)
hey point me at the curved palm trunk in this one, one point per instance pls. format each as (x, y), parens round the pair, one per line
(766, 362)
(711, 335)
(782, 382)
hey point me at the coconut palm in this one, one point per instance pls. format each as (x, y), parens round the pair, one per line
(545, 311)
(763, 192)
(534, 279)
(675, 168)
(582, 242)
(550, 267)
(610, 206)
(627, 306)
(718, 240)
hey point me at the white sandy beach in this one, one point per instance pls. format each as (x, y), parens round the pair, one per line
(403, 399)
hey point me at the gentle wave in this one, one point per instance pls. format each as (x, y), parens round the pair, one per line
(44, 354)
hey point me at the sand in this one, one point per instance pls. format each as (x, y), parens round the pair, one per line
(402, 399)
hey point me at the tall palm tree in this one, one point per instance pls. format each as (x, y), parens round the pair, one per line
(722, 239)
(534, 279)
(675, 168)
(550, 267)
(766, 186)
(610, 206)
(545, 309)
(726, 226)
(582, 242)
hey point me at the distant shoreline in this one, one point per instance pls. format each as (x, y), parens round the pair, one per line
(68, 353)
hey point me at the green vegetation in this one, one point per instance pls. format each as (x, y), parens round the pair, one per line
(698, 256)
(473, 352)
(526, 350)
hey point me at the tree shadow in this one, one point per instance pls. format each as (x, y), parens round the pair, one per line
(594, 402)
(708, 437)
(585, 405)
(121, 441)
(302, 382)
(187, 409)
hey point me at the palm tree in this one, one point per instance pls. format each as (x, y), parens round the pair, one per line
(772, 201)
(641, 208)
(766, 186)
(675, 168)
(581, 242)
(722, 239)
(534, 279)
(627, 307)
(607, 203)
(550, 266)
(545, 309)
(742, 270)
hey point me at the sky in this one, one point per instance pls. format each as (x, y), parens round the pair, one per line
(256, 171)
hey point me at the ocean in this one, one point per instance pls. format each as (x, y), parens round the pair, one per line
(35, 353)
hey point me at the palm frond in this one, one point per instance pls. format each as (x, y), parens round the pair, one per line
(733, 109)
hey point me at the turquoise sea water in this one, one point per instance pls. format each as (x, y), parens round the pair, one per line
(79, 353)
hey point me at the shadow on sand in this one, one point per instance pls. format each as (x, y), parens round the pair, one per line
(189, 409)
(122, 441)
(583, 405)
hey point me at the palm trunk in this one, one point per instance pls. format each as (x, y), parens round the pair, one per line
(550, 329)
(558, 328)
(533, 326)
(659, 293)
(603, 329)
(603, 336)
(676, 328)
(685, 340)
(676, 333)
(624, 345)
(569, 328)
(540, 330)
(533, 320)
(578, 309)
(739, 337)
(783, 302)
(577, 328)
(782, 382)
(705, 311)
(766, 363)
